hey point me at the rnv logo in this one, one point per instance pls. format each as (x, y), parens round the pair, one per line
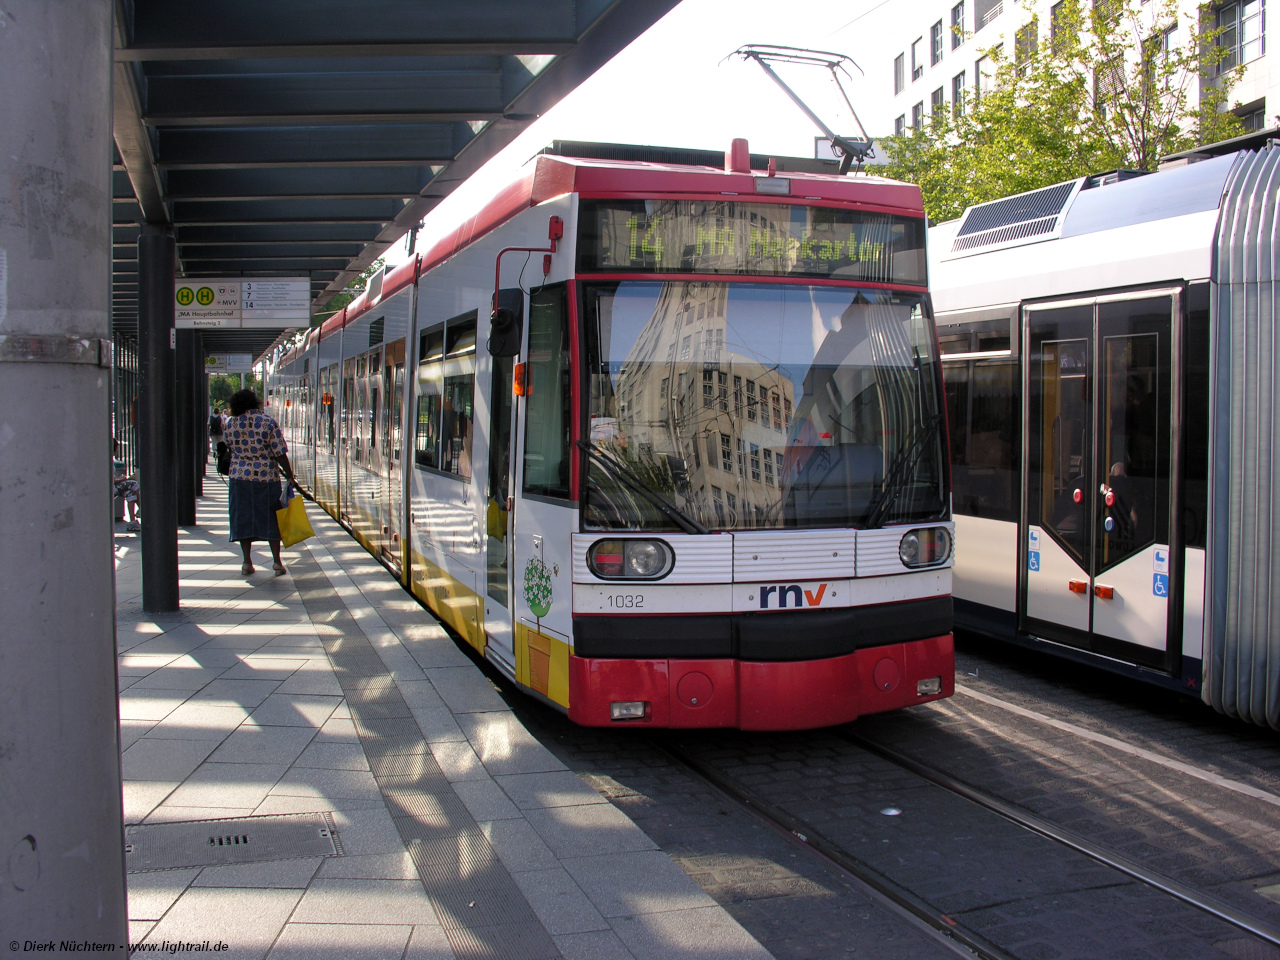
(793, 592)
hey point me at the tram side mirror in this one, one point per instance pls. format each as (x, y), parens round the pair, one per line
(505, 327)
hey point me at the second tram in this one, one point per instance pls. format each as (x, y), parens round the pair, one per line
(1109, 352)
(664, 442)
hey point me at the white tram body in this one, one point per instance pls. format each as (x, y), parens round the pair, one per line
(685, 466)
(1109, 353)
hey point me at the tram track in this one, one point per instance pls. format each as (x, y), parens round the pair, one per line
(1029, 821)
(934, 923)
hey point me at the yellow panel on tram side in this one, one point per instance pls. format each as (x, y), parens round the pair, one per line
(542, 664)
(326, 494)
(459, 606)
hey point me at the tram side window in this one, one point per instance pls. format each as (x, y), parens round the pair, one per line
(426, 445)
(548, 411)
(1196, 416)
(457, 414)
(983, 415)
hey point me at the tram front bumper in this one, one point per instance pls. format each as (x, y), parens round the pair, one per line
(759, 695)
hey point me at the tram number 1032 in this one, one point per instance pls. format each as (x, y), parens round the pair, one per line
(625, 601)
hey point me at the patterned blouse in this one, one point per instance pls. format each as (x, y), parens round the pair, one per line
(255, 440)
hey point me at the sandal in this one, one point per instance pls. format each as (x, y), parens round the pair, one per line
(246, 569)
(279, 569)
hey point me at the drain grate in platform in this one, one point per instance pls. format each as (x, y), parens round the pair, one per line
(207, 843)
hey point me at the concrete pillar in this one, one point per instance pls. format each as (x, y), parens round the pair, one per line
(157, 436)
(185, 425)
(202, 414)
(61, 834)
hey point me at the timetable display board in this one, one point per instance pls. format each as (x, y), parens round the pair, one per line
(242, 302)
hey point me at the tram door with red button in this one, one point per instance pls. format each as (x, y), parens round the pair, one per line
(1098, 474)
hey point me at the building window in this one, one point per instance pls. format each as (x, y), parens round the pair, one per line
(937, 102)
(917, 59)
(768, 467)
(1025, 42)
(899, 73)
(751, 400)
(777, 411)
(726, 454)
(737, 396)
(755, 462)
(1253, 116)
(935, 44)
(708, 387)
(984, 11)
(957, 25)
(1242, 33)
(984, 72)
(742, 459)
(917, 116)
(1057, 24)
(684, 348)
(957, 95)
(900, 126)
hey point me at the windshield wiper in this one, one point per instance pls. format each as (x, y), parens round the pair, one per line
(629, 478)
(902, 468)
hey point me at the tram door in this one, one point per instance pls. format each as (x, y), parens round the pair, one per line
(346, 442)
(391, 498)
(1097, 470)
(498, 621)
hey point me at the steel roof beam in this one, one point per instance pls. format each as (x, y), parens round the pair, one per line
(139, 52)
(246, 24)
(277, 210)
(132, 139)
(358, 144)
(296, 183)
(278, 233)
(194, 251)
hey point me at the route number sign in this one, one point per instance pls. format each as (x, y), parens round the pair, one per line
(239, 302)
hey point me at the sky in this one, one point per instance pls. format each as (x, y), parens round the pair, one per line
(677, 85)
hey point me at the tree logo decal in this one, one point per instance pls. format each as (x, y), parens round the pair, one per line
(537, 587)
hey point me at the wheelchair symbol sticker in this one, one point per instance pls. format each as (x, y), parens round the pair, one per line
(1160, 587)
(1033, 561)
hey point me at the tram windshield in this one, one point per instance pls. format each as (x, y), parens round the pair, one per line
(743, 406)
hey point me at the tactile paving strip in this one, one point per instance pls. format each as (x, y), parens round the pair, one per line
(484, 914)
(208, 843)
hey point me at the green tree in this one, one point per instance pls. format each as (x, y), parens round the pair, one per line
(348, 293)
(1109, 85)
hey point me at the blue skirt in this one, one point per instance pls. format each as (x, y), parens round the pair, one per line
(252, 506)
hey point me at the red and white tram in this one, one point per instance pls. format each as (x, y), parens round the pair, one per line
(683, 464)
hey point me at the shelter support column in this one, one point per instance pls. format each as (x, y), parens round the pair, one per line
(61, 831)
(185, 424)
(157, 435)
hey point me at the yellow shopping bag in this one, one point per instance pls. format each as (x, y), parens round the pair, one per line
(294, 525)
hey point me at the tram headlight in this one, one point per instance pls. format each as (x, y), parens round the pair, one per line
(926, 547)
(630, 559)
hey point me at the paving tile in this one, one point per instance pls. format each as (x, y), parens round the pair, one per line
(338, 730)
(518, 845)
(171, 813)
(263, 745)
(182, 677)
(132, 730)
(228, 785)
(138, 928)
(263, 668)
(314, 677)
(367, 831)
(296, 710)
(644, 881)
(282, 874)
(141, 797)
(153, 893)
(151, 704)
(458, 761)
(276, 804)
(557, 901)
(505, 746)
(385, 866)
(200, 720)
(708, 933)
(333, 756)
(465, 689)
(246, 693)
(334, 784)
(164, 759)
(428, 943)
(485, 800)
(247, 920)
(438, 725)
(373, 901)
(563, 788)
(588, 830)
(350, 941)
(597, 945)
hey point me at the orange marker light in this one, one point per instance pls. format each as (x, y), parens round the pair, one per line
(1103, 593)
(1078, 586)
(519, 387)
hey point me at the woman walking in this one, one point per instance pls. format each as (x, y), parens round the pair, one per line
(253, 484)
